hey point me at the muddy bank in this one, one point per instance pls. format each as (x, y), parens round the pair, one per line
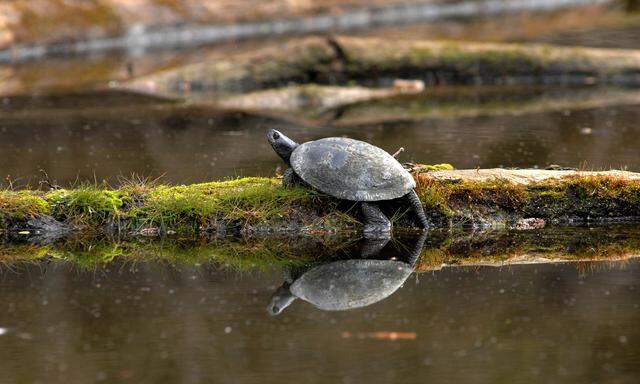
(261, 207)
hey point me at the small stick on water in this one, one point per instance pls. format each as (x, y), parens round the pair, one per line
(399, 151)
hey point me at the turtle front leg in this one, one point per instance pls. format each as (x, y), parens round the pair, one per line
(376, 223)
(416, 206)
(290, 179)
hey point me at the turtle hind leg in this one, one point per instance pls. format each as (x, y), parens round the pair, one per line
(416, 206)
(376, 223)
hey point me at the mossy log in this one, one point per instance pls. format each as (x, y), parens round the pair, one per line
(375, 62)
(494, 198)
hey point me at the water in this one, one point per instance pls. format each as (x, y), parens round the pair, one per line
(148, 323)
(104, 136)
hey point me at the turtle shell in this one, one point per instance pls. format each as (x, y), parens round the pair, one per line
(349, 284)
(351, 170)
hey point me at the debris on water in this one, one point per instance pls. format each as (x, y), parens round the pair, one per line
(381, 335)
(227, 329)
(3, 331)
(586, 131)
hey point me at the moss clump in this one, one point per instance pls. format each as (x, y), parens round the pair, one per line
(432, 168)
(18, 205)
(498, 192)
(86, 205)
(583, 197)
(249, 200)
(443, 199)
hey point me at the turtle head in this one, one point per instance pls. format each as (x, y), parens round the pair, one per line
(283, 145)
(280, 300)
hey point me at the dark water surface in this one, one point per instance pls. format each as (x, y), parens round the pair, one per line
(152, 323)
(98, 136)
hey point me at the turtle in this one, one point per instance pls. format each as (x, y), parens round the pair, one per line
(351, 170)
(349, 284)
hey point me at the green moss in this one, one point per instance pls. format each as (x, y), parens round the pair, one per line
(434, 198)
(19, 205)
(249, 199)
(497, 192)
(86, 204)
(433, 168)
(585, 197)
(443, 199)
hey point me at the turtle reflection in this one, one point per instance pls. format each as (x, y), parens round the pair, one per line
(353, 283)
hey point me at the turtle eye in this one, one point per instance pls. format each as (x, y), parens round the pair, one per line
(276, 136)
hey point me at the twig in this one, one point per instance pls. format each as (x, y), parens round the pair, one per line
(8, 178)
(399, 151)
(47, 181)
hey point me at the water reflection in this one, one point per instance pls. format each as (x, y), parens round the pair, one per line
(351, 283)
(150, 322)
